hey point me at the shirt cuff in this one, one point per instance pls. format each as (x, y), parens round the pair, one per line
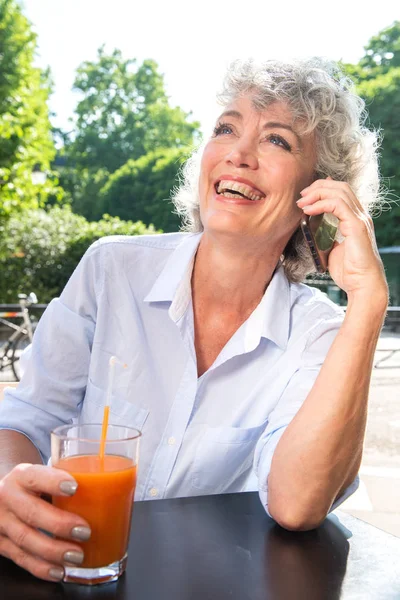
(2, 428)
(264, 467)
(353, 487)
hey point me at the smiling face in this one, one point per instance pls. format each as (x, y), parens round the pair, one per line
(252, 171)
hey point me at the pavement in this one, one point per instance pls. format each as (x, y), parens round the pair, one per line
(377, 501)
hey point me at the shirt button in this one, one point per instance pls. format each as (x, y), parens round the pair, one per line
(154, 492)
(171, 441)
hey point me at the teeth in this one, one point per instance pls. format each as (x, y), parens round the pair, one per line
(229, 194)
(226, 187)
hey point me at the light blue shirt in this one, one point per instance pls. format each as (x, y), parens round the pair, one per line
(131, 297)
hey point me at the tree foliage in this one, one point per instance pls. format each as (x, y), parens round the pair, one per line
(41, 249)
(24, 122)
(123, 115)
(377, 79)
(141, 189)
(382, 52)
(382, 95)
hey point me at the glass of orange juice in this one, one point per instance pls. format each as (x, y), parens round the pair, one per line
(106, 480)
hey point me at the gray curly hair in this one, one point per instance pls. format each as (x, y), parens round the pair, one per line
(322, 98)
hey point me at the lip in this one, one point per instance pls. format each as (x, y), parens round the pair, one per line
(240, 180)
(237, 201)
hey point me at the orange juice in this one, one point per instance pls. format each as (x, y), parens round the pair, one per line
(104, 498)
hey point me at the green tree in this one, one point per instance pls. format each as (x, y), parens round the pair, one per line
(382, 95)
(123, 114)
(25, 131)
(382, 52)
(140, 189)
(377, 79)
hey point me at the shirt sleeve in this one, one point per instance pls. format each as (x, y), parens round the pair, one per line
(55, 366)
(297, 390)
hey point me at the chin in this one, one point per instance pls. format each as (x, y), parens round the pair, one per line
(225, 222)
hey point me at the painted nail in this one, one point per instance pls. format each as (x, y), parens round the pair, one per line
(56, 573)
(81, 533)
(73, 556)
(68, 487)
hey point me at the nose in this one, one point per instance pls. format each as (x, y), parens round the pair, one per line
(242, 155)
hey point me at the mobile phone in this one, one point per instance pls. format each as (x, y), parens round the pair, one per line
(319, 232)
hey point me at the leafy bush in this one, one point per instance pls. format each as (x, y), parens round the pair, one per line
(41, 248)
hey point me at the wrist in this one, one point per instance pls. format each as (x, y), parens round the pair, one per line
(374, 300)
(367, 309)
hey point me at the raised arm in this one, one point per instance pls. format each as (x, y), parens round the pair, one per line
(320, 452)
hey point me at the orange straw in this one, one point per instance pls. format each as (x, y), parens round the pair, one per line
(104, 428)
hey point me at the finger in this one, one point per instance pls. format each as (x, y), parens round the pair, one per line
(42, 479)
(35, 565)
(341, 188)
(41, 545)
(350, 222)
(323, 194)
(328, 183)
(37, 513)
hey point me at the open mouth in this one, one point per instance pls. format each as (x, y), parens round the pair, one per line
(235, 189)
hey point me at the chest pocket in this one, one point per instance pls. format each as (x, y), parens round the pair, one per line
(122, 412)
(222, 456)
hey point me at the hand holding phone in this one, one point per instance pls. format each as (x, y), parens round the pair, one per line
(319, 233)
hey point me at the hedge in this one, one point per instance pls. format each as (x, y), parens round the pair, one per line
(40, 249)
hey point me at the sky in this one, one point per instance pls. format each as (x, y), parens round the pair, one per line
(193, 42)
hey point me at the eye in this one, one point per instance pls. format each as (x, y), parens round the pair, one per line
(277, 140)
(222, 129)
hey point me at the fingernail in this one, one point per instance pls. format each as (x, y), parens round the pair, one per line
(303, 191)
(81, 533)
(68, 487)
(74, 556)
(56, 573)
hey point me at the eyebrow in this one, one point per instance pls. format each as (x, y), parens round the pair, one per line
(268, 125)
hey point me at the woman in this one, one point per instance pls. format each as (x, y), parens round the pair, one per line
(240, 378)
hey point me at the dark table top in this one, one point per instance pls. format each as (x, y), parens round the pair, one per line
(226, 547)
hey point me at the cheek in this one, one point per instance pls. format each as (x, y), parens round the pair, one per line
(205, 167)
(211, 157)
(287, 179)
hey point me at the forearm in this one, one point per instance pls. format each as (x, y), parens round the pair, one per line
(16, 448)
(320, 452)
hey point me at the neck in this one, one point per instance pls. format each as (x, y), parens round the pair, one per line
(228, 273)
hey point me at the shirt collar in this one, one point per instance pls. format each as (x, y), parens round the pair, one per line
(270, 319)
(173, 274)
(272, 316)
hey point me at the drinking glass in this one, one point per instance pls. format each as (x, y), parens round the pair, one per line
(104, 498)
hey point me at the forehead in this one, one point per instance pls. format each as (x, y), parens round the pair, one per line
(249, 107)
(244, 107)
(276, 113)
(250, 103)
